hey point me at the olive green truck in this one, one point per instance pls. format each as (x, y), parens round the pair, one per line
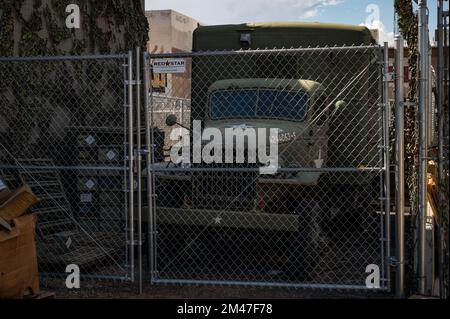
(326, 110)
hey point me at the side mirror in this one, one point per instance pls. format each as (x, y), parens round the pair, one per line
(339, 105)
(171, 120)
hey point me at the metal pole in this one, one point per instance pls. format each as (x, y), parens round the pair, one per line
(257, 52)
(427, 96)
(153, 194)
(139, 163)
(387, 195)
(441, 158)
(430, 111)
(64, 57)
(430, 221)
(130, 161)
(400, 166)
(422, 182)
(125, 156)
(149, 147)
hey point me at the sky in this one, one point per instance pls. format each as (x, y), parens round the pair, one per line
(372, 13)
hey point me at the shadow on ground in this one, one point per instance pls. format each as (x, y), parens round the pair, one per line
(125, 290)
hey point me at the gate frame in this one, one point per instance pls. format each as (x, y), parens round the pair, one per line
(128, 83)
(384, 169)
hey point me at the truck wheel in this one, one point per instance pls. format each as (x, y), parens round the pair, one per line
(303, 248)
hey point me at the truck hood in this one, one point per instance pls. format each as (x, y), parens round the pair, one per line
(287, 130)
(299, 144)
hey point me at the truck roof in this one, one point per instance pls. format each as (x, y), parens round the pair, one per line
(280, 35)
(307, 86)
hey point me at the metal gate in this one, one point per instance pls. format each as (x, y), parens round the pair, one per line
(66, 132)
(318, 219)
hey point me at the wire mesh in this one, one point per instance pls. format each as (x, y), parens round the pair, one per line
(318, 220)
(64, 133)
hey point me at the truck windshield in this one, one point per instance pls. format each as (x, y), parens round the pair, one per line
(259, 103)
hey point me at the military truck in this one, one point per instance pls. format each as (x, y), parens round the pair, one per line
(319, 116)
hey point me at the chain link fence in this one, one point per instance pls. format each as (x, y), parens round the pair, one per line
(318, 219)
(164, 106)
(64, 132)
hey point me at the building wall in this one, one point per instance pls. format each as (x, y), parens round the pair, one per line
(159, 31)
(171, 32)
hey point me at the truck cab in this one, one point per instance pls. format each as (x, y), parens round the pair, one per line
(298, 93)
(297, 108)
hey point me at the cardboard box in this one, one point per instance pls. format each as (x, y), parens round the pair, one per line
(18, 262)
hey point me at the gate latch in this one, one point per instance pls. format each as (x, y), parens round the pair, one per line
(393, 261)
(409, 104)
(143, 151)
(133, 82)
(389, 77)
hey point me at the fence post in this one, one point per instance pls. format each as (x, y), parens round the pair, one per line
(149, 154)
(441, 104)
(422, 182)
(130, 161)
(400, 166)
(139, 163)
(387, 195)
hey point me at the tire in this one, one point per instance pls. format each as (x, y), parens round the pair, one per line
(303, 247)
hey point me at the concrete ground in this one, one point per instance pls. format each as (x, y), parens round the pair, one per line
(125, 290)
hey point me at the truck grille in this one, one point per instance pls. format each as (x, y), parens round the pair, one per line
(227, 190)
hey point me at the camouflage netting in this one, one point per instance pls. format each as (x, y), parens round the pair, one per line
(407, 21)
(37, 27)
(41, 94)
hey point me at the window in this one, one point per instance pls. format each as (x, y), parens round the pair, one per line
(233, 104)
(259, 103)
